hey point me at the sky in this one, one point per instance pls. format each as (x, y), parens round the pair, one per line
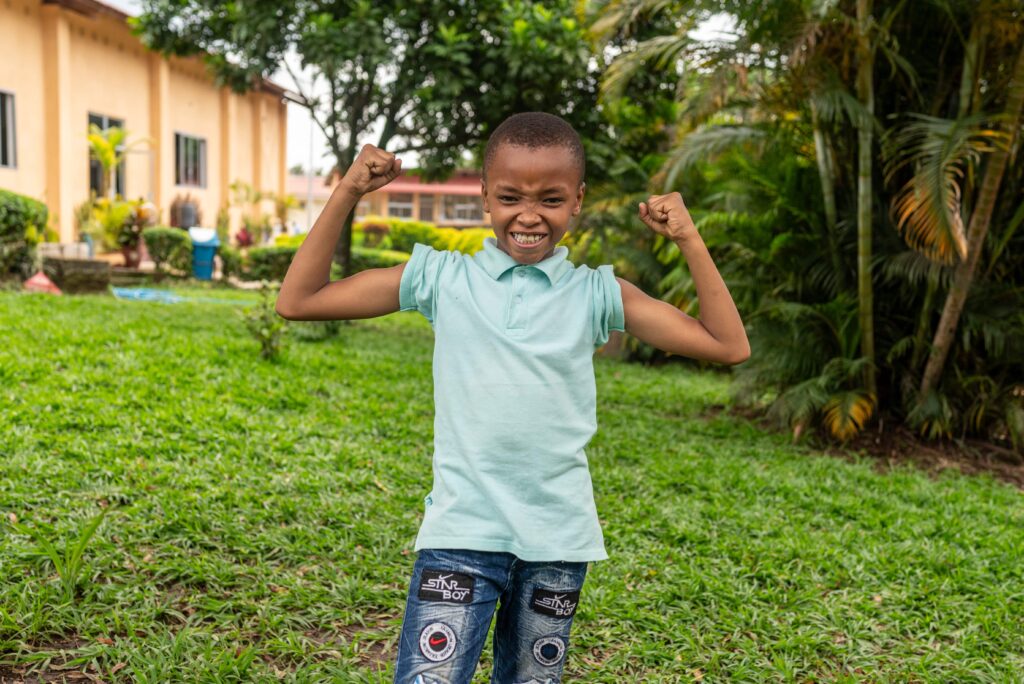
(301, 128)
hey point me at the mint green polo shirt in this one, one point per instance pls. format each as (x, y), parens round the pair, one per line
(514, 399)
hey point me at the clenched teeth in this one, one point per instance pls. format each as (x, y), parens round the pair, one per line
(526, 239)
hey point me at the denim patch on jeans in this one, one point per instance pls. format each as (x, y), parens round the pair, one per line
(452, 597)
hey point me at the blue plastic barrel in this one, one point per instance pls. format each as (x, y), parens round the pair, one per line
(204, 247)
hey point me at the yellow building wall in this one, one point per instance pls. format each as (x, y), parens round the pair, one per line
(109, 76)
(20, 25)
(195, 111)
(61, 66)
(241, 140)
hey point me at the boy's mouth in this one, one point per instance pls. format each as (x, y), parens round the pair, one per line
(527, 239)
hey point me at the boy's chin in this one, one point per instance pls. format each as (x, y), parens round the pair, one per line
(525, 256)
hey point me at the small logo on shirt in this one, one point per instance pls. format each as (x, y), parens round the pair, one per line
(555, 603)
(437, 642)
(437, 585)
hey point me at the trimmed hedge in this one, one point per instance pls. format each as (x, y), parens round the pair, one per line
(269, 263)
(365, 257)
(231, 261)
(22, 226)
(171, 246)
(403, 234)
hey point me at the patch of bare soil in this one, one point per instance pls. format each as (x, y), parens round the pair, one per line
(893, 444)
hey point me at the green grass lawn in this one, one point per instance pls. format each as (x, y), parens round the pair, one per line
(261, 517)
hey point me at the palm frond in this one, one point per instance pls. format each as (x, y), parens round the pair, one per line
(704, 144)
(845, 413)
(927, 210)
(660, 50)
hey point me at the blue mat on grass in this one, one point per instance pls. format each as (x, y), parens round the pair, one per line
(149, 294)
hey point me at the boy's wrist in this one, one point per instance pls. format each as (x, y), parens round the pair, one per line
(348, 190)
(689, 242)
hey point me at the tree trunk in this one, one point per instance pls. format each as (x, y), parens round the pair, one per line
(866, 95)
(826, 174)
(976, 233)
(343, 250)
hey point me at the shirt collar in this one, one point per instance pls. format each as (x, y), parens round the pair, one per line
(496, 261)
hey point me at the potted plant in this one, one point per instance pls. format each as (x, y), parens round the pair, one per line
(129, 237)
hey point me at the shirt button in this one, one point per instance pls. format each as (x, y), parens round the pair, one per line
(519, 299)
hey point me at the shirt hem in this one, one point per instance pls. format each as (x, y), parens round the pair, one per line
(532, 555)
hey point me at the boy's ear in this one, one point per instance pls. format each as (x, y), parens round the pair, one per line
(579, 198)
(483, 193)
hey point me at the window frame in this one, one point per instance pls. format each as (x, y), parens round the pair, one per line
(10, 125)
(427, 207)
(410, 205)
(104, 122)
(182, 175)
(476, 201)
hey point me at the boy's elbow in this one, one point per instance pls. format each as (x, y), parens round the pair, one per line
(284, 311)
(739, 356)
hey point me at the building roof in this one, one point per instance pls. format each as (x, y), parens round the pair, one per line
(95, 8)
(462, 183)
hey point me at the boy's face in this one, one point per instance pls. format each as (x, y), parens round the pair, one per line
(531, 193)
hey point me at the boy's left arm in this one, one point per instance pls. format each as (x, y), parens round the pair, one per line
(718, 334)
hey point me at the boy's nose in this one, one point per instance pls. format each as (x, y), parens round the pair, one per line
(529, 218)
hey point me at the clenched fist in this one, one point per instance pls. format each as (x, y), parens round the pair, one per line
(373, 169)
(668, 216)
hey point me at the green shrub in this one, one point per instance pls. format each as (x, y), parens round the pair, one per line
(465, 240)
(22, 225)
(264, 323)
(171, 246)
(364, 258)
(405, 234)
(270, 263)
(289, 240)
(231, 261)
(315, 331)
(375, 232)
(107, 219)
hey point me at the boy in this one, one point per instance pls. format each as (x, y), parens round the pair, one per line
(511, 517)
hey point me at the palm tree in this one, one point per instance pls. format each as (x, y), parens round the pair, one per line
(108, 147)
(976, 234)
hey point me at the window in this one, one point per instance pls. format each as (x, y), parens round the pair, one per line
(189, 160)
(8, 157)
(95, 168)
(426, 207)
(463, 208)
(400, 204)
(363, 208)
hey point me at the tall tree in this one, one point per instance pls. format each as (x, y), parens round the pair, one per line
(435, 76)
(976, 233)
(865, 131)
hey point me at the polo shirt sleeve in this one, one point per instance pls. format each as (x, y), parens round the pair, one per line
(420, 280)
(608, 313)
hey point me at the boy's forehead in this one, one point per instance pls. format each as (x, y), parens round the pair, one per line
(552, 167)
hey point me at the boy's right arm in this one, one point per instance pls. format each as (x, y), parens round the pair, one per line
(307, 293)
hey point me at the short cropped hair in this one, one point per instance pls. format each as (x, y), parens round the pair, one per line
(534, 130)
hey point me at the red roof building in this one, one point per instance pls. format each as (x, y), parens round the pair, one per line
(455, 202)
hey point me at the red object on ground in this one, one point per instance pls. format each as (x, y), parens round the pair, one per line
(40, 283)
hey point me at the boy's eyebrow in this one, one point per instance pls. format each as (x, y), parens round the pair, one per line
(504, 186)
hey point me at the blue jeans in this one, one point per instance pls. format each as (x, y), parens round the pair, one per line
(451, 601)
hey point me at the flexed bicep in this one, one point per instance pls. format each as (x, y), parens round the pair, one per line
(662, 325)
